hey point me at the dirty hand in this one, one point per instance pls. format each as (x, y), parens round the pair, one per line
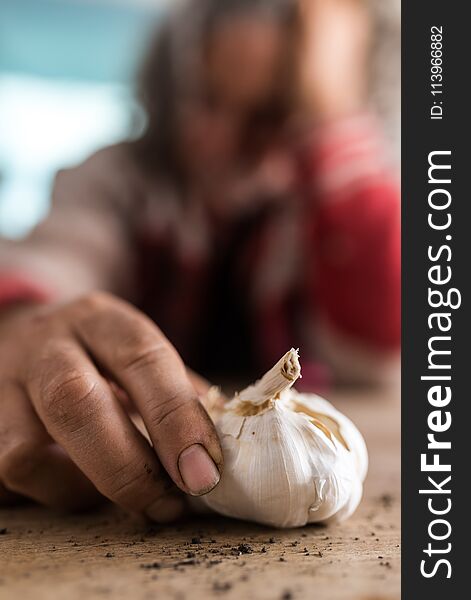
(66, 438)
(332, 73)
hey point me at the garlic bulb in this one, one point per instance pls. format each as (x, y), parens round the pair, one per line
(290, 458)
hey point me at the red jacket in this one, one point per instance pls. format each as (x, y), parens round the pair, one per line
(315, 266)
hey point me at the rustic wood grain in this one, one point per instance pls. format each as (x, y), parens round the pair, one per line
(107, 554)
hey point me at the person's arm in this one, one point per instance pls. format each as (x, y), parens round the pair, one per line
(66, 437)
(353, 249)
(353, 241)
(84, 244)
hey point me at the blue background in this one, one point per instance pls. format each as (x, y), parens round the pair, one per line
(66, 88)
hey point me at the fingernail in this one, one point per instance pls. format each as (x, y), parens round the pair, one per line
(198, 471)
(166, 509)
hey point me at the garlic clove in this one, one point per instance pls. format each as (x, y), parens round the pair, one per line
(313, 406)
(355, 495)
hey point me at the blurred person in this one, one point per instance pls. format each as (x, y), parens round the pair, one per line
(256, 212)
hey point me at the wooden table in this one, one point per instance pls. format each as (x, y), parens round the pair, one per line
(107, 554)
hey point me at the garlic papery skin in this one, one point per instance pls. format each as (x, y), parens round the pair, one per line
(289, 458)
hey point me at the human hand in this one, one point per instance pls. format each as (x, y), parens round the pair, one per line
(66, 438)
(333, 51)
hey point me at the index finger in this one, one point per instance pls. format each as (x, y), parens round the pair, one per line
(147, 366)
(83, 416)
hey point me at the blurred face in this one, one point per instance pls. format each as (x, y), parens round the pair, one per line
(239, 75)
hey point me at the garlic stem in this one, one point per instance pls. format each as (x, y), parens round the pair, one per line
(279, 378)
